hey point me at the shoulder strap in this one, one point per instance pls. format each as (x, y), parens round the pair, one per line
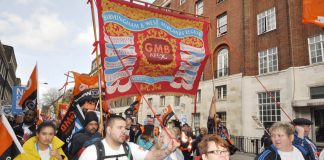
(100, 150)
(127, 151)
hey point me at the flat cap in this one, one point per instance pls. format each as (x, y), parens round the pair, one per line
(302, 121)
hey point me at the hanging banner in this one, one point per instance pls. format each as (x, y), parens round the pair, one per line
(162, 52)
(313, 12)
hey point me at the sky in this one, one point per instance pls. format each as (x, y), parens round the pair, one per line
(55, 34)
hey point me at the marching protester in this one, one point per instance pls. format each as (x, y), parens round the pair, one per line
(213, 147)
(186, 139)
(28, 128)
(44, 146)
(203, 131)
(282, 136)
(115, 146)
(147, 139)
(214, 124)
(303, 128)
(86, 137)
(164, 140)
(266, 139)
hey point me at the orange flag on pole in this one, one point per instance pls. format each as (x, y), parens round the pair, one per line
(29, 99)
(313, 12)
(10, 146)
(83, 82)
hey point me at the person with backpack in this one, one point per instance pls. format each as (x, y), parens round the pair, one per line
(114, 145)
(86, 137)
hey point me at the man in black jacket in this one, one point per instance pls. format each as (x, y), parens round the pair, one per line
(26, 129)
(88, 136)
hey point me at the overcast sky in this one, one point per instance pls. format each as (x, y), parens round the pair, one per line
(57, 34)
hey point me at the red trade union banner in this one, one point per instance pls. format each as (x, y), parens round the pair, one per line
(164, 52)
(313, 12)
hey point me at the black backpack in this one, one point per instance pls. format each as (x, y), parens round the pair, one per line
(101, 152)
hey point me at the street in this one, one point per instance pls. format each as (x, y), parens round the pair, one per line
(243, 156)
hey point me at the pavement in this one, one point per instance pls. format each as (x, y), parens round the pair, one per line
(242, 156)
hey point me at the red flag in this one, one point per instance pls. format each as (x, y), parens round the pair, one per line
(10, 147)
(166, 114)
(313, 12)
(29, 99)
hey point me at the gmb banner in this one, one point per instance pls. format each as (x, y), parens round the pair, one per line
(161, 52)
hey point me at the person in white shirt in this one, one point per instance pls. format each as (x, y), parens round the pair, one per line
(282, 136)
(113, 146)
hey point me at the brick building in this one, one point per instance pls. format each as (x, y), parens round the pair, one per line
(254, 41)
(8, 79)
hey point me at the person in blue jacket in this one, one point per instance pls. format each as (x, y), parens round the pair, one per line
(303, 128)
(282, 136)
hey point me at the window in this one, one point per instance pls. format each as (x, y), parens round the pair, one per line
(162, 101)
(268, 61)
(129, 101)
(198, 96)
(221, 92)
(266, 21)
(182, 2)
(150, 101)
(177, 101)
(268, 109)
(199, 7)
(317, 92)
(222, 117)
(222, 24)
(222, 63)
(319, 125)
(316, 49)
(196, 120)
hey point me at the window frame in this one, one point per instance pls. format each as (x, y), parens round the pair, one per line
(266, 60)
(312, 41)
(198, 2)
(221, 92)
(162, 101)
(222, 62)
(265, 20)
(220, 19)
(268, 111)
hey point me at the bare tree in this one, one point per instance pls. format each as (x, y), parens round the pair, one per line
(51, 96)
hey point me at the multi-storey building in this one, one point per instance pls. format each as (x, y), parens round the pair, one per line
(256, 46)
(8, 79)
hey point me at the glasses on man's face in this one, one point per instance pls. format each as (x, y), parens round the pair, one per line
(218, 152)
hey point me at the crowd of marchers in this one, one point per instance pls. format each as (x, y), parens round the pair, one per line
(123, 138)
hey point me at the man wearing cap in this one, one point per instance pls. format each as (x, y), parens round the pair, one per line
(89, 135)
(303, 127)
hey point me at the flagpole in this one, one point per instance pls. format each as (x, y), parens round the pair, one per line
(97, 60)
(213, 74)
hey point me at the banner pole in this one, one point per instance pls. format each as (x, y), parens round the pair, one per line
(274, 99)
(213, 73)
(97, 61)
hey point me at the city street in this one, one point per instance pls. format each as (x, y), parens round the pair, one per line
(243, 156)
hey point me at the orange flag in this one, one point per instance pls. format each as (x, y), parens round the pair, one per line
(313, 12)
(29, 99)
(166, 114)
(10, 147)
(83, 82)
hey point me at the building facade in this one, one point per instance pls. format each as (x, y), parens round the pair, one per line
(8, 67)
(259, 47)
